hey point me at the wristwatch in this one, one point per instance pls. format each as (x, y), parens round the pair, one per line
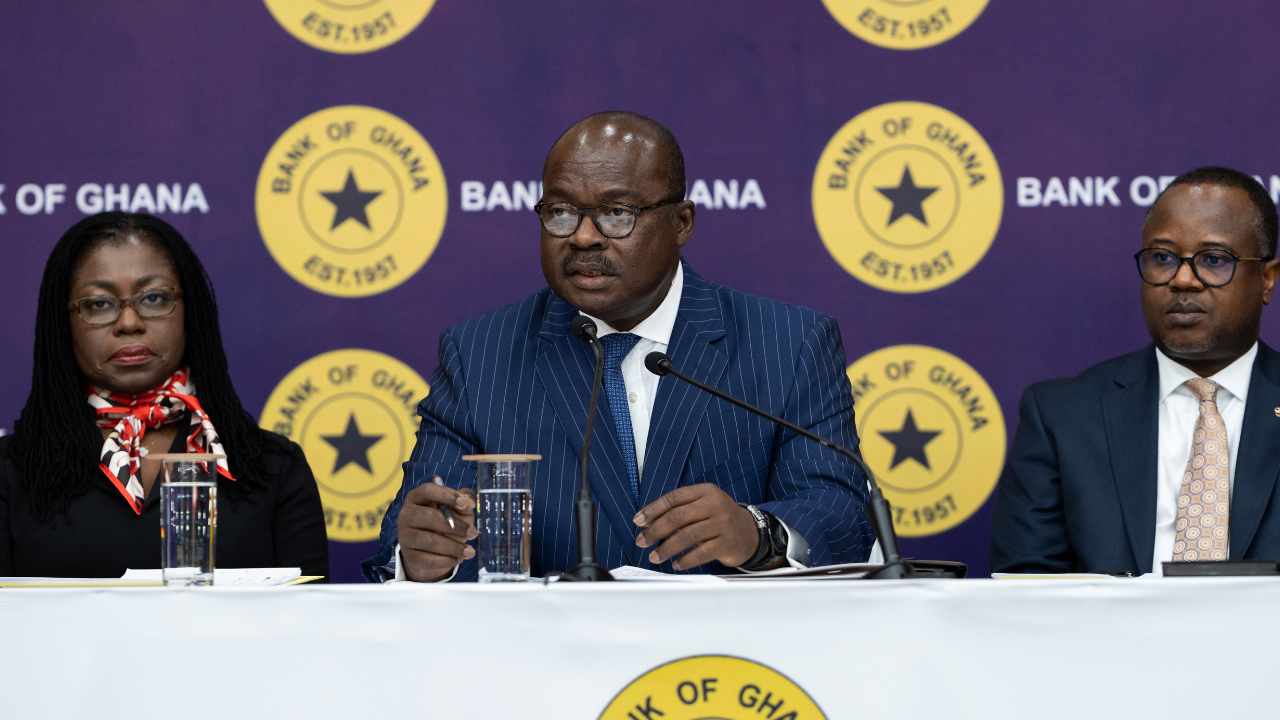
(773, 540)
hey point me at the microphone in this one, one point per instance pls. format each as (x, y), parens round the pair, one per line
(587, 568)
(881, 517)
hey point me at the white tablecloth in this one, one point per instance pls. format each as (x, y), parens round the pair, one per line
(907, 649)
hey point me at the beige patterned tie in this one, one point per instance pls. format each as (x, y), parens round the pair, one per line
(1203, 501)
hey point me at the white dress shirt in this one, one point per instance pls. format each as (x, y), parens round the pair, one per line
(1179, 410)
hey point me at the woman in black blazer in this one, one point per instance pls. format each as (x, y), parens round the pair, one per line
(128, 362)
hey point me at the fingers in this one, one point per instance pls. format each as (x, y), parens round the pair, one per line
(446, 546)
(468, 516)
(469, 507)
(422, 509)
(671, 521)
(703, 553)
(686, 537)
(432, 494)
(680, 496)
(429, 517)
(429, 554)
(429, 546)
(420, 566)
(702, 520)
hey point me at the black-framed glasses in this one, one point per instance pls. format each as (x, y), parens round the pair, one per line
(1212, 266)
(613, 220)
(106, 309)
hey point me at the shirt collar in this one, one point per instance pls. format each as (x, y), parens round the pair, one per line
(1234, 378)
(661, 322)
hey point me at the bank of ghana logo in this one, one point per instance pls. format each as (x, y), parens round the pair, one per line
(906, 24)
(712, 687)
(349, 26)
(354, 412)
(907, 197)
(351, 201)
(932, 431)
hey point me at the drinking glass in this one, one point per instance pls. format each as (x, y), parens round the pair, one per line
(188, 518)
(504, 516)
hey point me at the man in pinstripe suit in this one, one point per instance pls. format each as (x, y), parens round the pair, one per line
(684, 482)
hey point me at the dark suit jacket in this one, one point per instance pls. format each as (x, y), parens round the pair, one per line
(1078, 492)
(517, 381)
(281, 525)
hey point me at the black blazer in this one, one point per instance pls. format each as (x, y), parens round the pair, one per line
(281, 525)
(1078, 492)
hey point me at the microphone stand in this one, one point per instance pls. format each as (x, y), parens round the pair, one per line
(880, 516)
(587, 569)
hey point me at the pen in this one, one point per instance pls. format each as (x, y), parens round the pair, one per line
(448, 512)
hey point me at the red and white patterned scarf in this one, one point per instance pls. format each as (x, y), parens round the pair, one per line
(130, 416)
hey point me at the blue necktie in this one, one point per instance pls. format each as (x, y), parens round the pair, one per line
(616, 347)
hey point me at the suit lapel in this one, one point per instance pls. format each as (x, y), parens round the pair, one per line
(566, 367)
(1133, 429)
(1257, 462)
(679, 407)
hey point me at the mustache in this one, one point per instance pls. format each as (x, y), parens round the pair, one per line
(594, 258)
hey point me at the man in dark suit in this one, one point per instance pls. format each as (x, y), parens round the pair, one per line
(1171, 452)
(684, 482)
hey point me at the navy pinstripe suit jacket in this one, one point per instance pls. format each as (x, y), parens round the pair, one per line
(516, 381)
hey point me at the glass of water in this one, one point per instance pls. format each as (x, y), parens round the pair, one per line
(188, 518)
(504, 516)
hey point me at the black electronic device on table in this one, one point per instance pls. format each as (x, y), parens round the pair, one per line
(1219, 568)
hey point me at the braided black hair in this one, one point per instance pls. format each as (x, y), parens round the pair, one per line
(56, 441)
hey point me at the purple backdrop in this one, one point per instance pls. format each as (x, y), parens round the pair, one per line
(161, 92)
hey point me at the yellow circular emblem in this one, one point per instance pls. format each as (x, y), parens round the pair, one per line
(907, 197)
(349, 26)
(906, 24)
(351, 201)
(354, 412)
(712, 687)
(932, 431)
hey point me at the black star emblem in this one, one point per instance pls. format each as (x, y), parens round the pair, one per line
(907, 198)
(909, 442)
(349, 202)
(352, 447)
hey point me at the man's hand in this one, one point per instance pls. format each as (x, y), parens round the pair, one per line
(702, 517)
(430, 548)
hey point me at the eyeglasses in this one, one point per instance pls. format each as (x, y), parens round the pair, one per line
(613, 220)
(1212, 267)
(106, 309)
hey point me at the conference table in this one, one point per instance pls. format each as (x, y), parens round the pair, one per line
(978, 648)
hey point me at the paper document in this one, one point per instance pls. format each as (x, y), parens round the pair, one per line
(47, 582)
(231, 576)
(1051, 576)
(152, 578)
(633, 573)
(845, 571)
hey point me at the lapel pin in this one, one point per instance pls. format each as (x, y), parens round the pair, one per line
(1277, 412)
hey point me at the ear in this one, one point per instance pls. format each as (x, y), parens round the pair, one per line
(686, 215)
(1270, 273)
